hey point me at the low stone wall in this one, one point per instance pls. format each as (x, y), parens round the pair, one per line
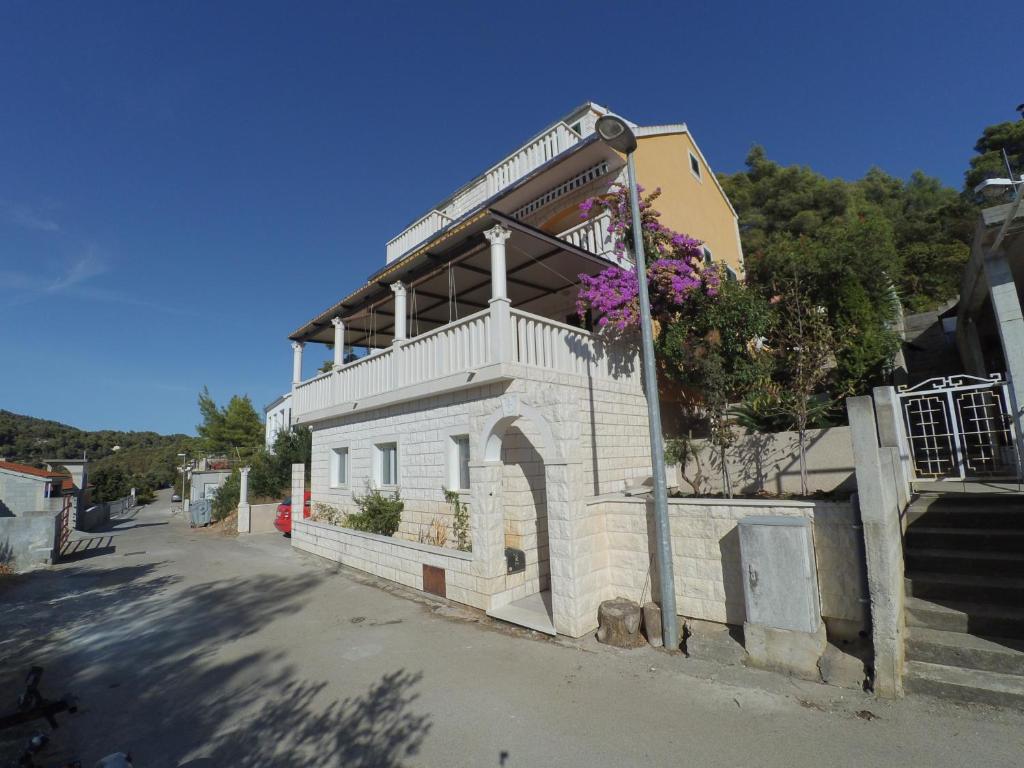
(261, 518)
(771, 462)
(29, 540)
(393, 559)
(706, 554)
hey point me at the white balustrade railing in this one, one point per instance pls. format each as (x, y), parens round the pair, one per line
(423, 228)
(508, 171)
(592, 235)
(531, 156)
(555, 346)
(463, 346)
(460, 346)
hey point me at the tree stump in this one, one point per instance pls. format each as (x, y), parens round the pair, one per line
(619, 623)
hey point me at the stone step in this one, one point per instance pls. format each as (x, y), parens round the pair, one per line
(960, 515)
(964, 562)
(969, 685)
(982, 619)
(957, 649)
(951, 537)
(966, 588)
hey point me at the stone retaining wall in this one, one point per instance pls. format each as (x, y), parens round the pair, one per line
(393, 559)
(706, 555)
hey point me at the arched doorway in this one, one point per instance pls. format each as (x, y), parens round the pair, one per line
(524, 492)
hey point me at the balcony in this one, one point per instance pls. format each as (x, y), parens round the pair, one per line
(519, 164)
(466, 353)
(593, 235)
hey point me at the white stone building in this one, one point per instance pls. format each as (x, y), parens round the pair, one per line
(480, 378)
(277, 417)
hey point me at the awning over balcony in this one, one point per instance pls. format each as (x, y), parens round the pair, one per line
(451, 278)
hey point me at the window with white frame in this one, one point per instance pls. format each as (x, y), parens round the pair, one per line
(458, 463)
(386, 464)
(339, 467)
(695, 166)
(708, 258)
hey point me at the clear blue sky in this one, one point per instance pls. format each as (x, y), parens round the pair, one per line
(182, 184)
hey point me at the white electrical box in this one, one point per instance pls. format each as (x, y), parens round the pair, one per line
(780, 577)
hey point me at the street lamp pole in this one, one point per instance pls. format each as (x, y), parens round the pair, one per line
(618, 135)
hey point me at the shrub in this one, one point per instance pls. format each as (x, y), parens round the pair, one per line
(325, 513)
(225, 501)
(377, 513)
(460, 524)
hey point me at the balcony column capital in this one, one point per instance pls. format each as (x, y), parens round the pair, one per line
(339, 341)
(400, 291)
(297, 361)
(496, 236)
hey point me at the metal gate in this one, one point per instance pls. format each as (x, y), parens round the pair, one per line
(959, 428)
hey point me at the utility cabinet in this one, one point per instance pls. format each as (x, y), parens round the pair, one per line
(780, 577)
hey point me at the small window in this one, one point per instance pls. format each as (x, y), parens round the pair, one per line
(730, 273)
(708, 258)
(458, 463)
(695, 165)
(339, 467)
(387, 464)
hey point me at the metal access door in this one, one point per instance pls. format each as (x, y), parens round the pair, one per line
(959, 428)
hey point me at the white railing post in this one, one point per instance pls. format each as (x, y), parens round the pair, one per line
(501, 307)
(297, 362)
(339, 341)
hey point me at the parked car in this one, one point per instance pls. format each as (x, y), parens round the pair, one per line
(283, 521)
(175, 497)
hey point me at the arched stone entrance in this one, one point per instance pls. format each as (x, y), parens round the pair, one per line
(562, 496)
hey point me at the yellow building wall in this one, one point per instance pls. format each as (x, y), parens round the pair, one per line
(694, 207)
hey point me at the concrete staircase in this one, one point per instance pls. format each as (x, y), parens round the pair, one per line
(964, 558)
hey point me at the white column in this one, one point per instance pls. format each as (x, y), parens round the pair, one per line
(297, 361)
(244, 510)
(496, 236)
(339, 341)
(400, 311)
(501, 306)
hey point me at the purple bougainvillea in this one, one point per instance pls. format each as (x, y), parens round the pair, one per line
(675, 270)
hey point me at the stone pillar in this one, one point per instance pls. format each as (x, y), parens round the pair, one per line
(487, 524)
(883, 546)
(399, 290)
(297, 361)
(244, 509)
(576, 588)
(298, 497)
(893, 445)
(339, 341)
(501, 306)
(1010, 320)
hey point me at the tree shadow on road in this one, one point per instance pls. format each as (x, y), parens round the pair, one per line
(169, 672)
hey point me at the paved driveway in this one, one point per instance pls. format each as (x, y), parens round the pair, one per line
(189, 648)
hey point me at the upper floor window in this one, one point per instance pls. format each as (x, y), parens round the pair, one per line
(695, 166)
(730, 273)
(708, 258)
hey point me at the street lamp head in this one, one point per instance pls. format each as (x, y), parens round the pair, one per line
(996, 189)
(616, 133)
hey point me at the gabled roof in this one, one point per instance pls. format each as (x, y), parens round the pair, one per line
(25, 469)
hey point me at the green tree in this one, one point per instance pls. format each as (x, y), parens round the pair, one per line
(236, 426)
(989, 163)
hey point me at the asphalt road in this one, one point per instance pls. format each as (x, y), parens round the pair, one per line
(192, 648)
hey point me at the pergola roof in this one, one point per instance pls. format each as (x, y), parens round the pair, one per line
(450, 278)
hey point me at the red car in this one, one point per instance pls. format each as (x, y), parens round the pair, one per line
(283, 521)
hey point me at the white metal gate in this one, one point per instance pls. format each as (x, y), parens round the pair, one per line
(959, 428)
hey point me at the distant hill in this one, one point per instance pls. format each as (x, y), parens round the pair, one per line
(30, 440)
